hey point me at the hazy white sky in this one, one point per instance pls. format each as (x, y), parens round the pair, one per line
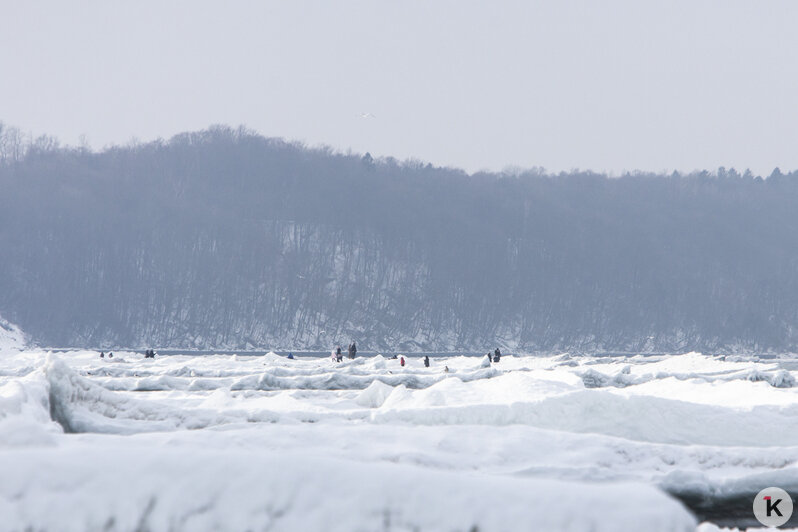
(607, 85)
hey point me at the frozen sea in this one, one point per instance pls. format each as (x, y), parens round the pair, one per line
(243, 442)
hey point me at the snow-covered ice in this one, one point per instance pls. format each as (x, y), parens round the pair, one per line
(224, 442)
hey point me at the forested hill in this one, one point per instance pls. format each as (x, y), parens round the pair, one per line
(226, 239)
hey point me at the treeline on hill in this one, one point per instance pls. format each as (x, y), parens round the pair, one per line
(225, 239)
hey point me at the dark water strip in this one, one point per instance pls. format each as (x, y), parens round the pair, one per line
(735, 511)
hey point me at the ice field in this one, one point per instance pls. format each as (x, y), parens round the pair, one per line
(221, 442)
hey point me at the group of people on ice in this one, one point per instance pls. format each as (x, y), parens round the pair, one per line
(401, 359)
(338, 356)
(149, 353)
(497, 355)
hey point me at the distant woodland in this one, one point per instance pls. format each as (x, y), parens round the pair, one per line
(223, 238)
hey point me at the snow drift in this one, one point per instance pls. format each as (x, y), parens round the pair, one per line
(195, 490)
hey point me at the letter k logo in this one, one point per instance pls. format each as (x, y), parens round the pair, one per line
(772, 506)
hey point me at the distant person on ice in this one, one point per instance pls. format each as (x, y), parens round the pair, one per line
(426, 361)
(102, 355)
(402, 361)
(291, 356)
(352, 350)
(497, 355)
(338, 355)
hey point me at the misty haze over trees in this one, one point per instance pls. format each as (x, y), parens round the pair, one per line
(225, 239)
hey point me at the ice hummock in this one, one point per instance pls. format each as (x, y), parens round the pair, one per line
(198, 442)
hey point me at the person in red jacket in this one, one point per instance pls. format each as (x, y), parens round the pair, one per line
(402, 361)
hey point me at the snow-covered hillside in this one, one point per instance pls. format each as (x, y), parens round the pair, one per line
(229, 240)
(11, 337)
(567, 443)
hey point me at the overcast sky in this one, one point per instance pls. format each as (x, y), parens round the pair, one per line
(606, 85)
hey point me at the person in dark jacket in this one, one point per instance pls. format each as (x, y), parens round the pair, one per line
(338, 356)
(102, 354)
(497, 355)
(352, 350)
(426, 361)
